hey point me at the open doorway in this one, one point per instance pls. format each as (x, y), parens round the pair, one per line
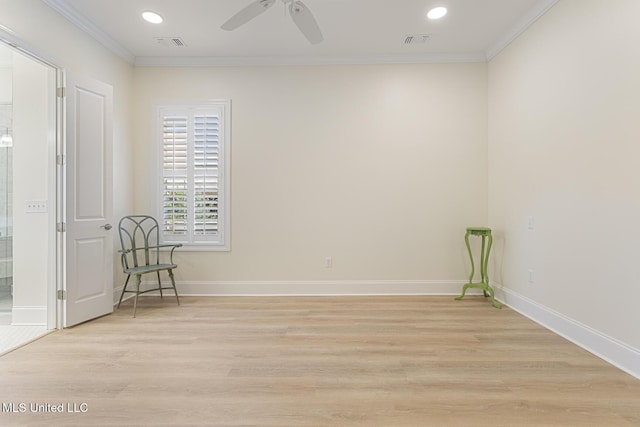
(6, 187)
(6, 199)
(27, 197)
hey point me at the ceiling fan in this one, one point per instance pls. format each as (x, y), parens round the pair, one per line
(300, 14)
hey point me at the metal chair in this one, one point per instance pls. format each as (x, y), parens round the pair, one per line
(140, 254)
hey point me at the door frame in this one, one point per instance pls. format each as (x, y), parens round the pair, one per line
(57, 185)
(56, 305)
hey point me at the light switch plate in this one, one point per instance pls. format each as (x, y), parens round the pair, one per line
(35, 206)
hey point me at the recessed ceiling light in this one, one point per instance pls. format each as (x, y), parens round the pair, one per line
(152, 17)
(437, 12)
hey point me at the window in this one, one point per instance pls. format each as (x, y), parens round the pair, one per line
(193, 206)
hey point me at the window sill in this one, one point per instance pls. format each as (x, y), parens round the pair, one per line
(198, 248)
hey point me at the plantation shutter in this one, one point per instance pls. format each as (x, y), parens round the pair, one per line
(175, 167)
(193, 203)
(206, 171)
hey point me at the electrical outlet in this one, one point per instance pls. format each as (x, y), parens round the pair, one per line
(35, 206)
(328, 262)
(531, 276)
(530, 223)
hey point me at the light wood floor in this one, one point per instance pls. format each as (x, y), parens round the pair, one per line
(349, 361)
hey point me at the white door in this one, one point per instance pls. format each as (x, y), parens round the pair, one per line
(89, 237)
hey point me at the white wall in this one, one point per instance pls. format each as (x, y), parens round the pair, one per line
(564, 147)
(5, 83)
(33, 151)
(379, 167)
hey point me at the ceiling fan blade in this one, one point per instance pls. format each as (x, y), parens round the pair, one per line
(305, 21)
(247, 14)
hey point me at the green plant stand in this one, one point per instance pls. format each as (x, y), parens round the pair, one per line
(487, 240)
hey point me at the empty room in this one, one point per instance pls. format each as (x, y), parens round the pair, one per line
(319, 212)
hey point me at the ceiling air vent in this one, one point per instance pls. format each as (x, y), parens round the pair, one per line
(171, 41)
(417, 38)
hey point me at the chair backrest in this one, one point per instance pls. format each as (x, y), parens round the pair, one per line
(139, 237)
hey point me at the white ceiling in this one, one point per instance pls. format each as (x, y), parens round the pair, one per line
(354, 30)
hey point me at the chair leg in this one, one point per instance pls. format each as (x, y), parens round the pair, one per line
(159, 284)
(173, 283)
(124, 289)
(135, 301)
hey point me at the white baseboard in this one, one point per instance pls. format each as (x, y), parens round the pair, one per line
(612, 351)
(29, 316)
(316, 288)
(116, 294)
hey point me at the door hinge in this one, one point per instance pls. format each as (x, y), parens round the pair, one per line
(61, 159)
(61, 227)
(62, 295)
(61, 92)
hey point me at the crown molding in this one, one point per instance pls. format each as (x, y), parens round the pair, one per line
(529, 19)
(219, 61)
(64, 9)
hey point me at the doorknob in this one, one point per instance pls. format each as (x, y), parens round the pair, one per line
(107, 227)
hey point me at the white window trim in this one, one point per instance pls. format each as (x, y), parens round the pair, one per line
(224, 242)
